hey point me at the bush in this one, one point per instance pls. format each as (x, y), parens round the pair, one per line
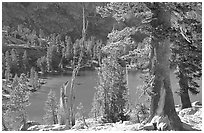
(139, 113)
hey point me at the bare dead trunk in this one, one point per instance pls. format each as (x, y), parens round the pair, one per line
(54, 117)
(63, 113)
(185, 99)
(72, 99)
(75, 72)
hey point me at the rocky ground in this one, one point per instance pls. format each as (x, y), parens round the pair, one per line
(191, 117)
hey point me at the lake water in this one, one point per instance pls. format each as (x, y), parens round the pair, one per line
(85, 90)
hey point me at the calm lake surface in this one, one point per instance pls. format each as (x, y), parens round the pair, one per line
(85, 90)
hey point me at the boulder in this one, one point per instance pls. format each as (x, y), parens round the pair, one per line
(148, 126)
(192, 117)
(55, 127)
(196, 103)
(162, 126)
(161, 123)
(127, 123)
(33, 128)
(58, 127)
(27, 125)
(119, 122)
(187, 111)
(136, 127)
(79, 125)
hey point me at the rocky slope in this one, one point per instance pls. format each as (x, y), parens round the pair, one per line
(191, 117)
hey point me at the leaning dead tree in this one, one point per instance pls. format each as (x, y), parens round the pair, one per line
(75, 72)
(63, 112)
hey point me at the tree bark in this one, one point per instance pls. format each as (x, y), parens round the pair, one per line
(75, 72)
(162, 108)
(64, 108)
(162, 102)
(183, 83)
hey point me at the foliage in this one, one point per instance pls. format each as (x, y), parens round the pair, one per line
(134, 27)
(25, 61)
(14, 61)
(34, 79)
(187, 44)
(59, 52)
(51, 109)
(15, 115)
(185, 33)
(96, 109)
(3, 64)
(80, 112)
(112, 90)
(55, 17)
(42, 64)
(7, 66)
(49, 58)
(139, 113)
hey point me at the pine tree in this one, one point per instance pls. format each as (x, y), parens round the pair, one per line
(96, 106)
(42, 63)
(89, 47)
(113, 89)
(41, 33)
(19, 99)
(80, 115)
(41, 38)
(25, 61)
(32, 37)
(51, 107)
(68, 48)
(187, 50)
(14, 62)
(75, 72)
(33, 78)
(36, 80)
(76, 48)
(156, 22)
(8, 66)
(63, 111)
(3, 65)
(49, 58)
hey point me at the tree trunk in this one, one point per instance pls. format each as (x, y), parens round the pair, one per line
(63, 113)
(72, 99)
(54, 117)
(162, 108)
(75, 72)
(183, 83)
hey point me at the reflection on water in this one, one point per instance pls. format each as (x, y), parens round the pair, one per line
(85, 90)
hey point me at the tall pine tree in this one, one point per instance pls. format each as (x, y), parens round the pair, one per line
(14, 62)
(187, 49)
(25, 62)
(19, 99)
(7, 66)
(51, 109)
(155, 21)
(112, 90)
